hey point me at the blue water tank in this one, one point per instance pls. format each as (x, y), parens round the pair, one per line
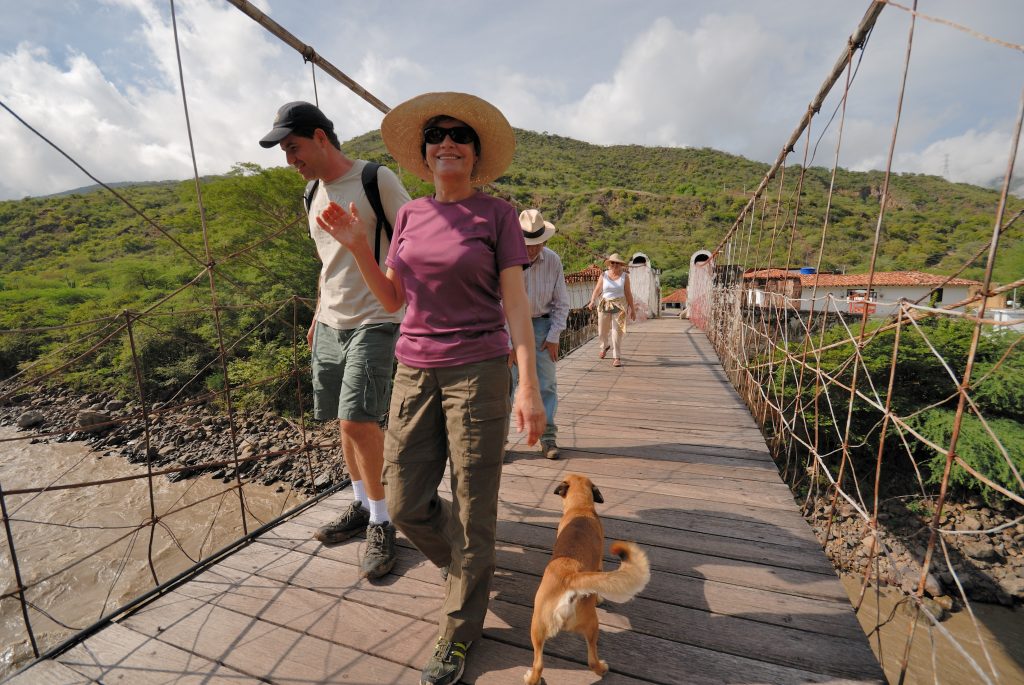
(807, 270)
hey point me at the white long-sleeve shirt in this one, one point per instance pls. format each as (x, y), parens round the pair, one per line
(545, 289)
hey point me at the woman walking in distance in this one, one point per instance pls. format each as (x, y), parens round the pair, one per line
(614, 307)
(456, 261)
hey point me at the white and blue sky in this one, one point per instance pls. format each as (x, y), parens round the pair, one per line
(100, 79)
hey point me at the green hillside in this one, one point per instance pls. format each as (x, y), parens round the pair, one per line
(81, 256)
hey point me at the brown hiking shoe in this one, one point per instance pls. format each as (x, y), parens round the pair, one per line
(379, 557)
(354, 520)
(550, 449)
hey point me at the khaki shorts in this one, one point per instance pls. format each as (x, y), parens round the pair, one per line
(352, 371)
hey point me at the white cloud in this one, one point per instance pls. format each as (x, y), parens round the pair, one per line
(76, 108)
(976, 157)
(728, 75)
(235, 76)
(686, 88)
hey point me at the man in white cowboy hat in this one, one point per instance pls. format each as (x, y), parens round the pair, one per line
(549, 309)
(352, 337)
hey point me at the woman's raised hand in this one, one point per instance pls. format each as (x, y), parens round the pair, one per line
(345, 227)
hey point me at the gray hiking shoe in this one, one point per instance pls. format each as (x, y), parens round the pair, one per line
(380, 550)
(447, 664)
(354, 520)
(550, 449)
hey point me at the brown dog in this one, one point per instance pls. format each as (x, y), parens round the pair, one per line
(568, 593)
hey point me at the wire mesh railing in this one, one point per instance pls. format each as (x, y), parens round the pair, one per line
(891, 400)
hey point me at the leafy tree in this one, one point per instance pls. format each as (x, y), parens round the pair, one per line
(926, 393)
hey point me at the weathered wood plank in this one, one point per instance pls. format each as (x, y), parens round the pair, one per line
(48, 673)
(409, 593)
(771, 605)
(773, 625)
(740, 590)
(261, 649)
(119, 654)
(365, 628)
(730, 472)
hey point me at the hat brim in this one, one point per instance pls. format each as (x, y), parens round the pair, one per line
(402, 131)
(274, 137)
(549, 230)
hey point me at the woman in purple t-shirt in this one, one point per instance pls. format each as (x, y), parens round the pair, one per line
(456, 261)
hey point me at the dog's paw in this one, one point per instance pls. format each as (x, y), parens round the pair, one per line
(600, 668)
(529, 679)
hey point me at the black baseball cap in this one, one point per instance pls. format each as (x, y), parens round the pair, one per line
(295, 115)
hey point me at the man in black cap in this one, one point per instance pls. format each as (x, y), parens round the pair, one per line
(352, 337)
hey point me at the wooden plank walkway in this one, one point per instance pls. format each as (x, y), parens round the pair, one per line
(740, 590)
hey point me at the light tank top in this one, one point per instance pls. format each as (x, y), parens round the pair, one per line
(613, 289)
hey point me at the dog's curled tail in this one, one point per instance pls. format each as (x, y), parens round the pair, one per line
(622, 584)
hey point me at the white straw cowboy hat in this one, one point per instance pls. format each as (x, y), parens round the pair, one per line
(614, 257)
(402, 131)
(535, 230)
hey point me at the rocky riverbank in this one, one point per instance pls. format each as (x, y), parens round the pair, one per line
(193, 439)
(986, 551)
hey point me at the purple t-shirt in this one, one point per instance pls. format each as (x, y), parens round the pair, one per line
(449, 256)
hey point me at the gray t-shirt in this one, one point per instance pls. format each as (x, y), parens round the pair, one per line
(345, 300)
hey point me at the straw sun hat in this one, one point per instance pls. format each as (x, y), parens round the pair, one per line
(402, 131)
(614, 257)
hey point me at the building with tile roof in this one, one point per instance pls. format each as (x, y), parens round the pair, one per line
(852, 293)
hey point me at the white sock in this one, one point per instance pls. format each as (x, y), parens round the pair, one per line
(358, 491)
(379, 512)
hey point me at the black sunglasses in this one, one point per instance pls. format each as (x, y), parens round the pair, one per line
(459, 134)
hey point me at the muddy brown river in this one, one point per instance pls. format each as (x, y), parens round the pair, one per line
(994, 641)
(82, 550)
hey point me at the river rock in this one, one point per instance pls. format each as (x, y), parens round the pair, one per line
(982, 550)
(969, 523)
(868, 544)
(1013, 586)
(910, 608)
(934, 608)
(30, 419)
(91, 421)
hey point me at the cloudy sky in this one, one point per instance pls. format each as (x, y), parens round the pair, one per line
(100, 78)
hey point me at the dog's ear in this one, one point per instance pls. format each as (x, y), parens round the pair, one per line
(597, 494)
(562, 488)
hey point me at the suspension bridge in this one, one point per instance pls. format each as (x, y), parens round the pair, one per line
(740, 589)
(686, 442)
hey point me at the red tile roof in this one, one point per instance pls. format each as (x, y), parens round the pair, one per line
(884, 278)
(881, 278)
(591, 273)
(675, 296)
(770, 273)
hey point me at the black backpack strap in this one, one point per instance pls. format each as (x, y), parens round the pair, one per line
(309, 192)
(372, 191)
